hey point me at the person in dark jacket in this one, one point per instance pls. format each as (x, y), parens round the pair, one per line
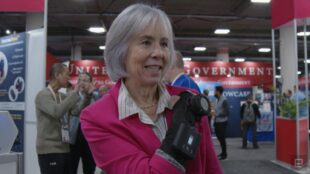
(221, 114)
(79, 149)
(249, 113)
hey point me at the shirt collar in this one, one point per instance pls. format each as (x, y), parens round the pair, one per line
(128, 107)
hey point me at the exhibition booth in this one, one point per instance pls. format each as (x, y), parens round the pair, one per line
(24, 63)
(292, 116)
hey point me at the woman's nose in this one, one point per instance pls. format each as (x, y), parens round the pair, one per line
(158, 51)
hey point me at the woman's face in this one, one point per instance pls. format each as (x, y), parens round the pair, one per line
(148, 56)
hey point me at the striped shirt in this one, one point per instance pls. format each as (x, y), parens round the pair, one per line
(128, 107)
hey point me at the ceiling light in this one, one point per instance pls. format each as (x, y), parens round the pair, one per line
(200, 48)
(278, 76)
(239, 59)
(264, 50)
(307, 33)
(8, 31)
(97, 29)
(228, 75)
(196, 75)
(279, 67)
(260, 1)
(298, 72)
(102, 47)
(221, 31)
(308, 61)
(187, 58)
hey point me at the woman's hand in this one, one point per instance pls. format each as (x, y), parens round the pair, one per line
(89, 88)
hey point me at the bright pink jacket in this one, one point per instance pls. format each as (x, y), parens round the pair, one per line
(128, 146)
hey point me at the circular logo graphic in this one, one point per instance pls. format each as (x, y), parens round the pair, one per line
(13, 94)
(19, 84)
(3, 67)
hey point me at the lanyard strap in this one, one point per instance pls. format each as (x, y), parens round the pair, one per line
(53, 93)
(64, 121)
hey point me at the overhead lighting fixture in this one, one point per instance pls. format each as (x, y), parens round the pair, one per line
(264, 50)
(221, 31)
(307, 33)
(7, 31)
(97, 29)
(260, 1)
(187, 58)
(299, 72)
(278, 76)
(196, 75)
(102, 47)
(228, 75)
(200, 48)
(279, 67)
(239, 59)
(308, 61)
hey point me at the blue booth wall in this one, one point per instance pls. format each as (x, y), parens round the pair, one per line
(235, 96)
(12, 81)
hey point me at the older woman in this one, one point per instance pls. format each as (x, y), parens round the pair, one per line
(131, 129)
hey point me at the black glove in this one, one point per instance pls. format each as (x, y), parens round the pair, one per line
(182, 123)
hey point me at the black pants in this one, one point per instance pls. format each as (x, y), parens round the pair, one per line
(54, 163)
(245, 128)
(81, 150)
(220, 132)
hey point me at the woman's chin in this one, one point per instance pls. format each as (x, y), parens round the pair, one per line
(152, 81)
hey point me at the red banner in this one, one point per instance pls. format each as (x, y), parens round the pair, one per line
(50, 60)
(284, 11)
(22, 5)
(95, 67)
(231, 74)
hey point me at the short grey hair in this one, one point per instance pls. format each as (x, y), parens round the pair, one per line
(56, 68)
(127, 25)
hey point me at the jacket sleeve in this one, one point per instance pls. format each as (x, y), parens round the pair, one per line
(115, 154)
(78, 107)
(225, 112)
(256, 110)
(47, 104)
(241, 111)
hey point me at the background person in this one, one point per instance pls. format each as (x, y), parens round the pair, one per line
(131, 129)
(103, 90)
(52, 127)
(249, 113)
(176, 76)
(221, 114)
(205, 92)
(298, 94)
(79, 149)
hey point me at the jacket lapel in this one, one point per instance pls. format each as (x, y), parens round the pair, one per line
(142, 134)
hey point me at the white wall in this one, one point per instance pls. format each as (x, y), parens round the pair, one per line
(288, 57)
(35, 81)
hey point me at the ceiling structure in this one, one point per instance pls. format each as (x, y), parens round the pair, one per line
(193, 21)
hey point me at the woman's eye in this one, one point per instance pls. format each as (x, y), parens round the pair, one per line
(146, 42)
(164, 44)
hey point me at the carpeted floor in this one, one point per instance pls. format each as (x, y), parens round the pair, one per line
(252, 161)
